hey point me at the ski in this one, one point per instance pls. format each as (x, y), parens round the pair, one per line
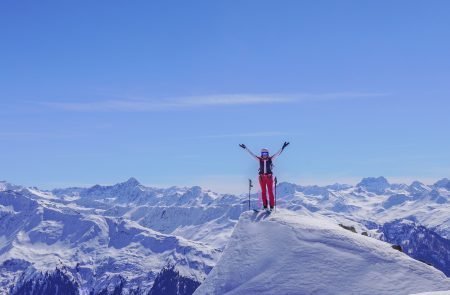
(268, 211)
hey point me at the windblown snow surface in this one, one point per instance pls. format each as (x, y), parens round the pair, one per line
(305, 253)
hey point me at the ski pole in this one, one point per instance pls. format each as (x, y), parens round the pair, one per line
(276, 181)
(250, 185)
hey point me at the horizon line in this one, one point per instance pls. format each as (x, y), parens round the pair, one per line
(65, 185)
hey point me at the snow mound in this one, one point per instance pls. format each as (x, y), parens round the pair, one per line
(304, 253)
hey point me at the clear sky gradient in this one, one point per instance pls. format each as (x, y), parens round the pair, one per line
(98, 91)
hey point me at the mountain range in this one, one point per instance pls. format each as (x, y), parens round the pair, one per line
(132, 239)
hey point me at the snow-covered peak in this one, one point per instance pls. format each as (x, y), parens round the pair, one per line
(443, 183)
(4, 186)
(130, 191)
(303, 253)
(132, 182)
(133, 193)
(417, 184)
(418, 188)
(377, 185)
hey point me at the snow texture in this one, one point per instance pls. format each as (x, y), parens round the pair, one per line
(304, 253)
(38, 235)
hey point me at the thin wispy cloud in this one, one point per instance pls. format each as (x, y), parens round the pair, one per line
(149, 105)
(146, 105)
(236, 99)
(340, 95)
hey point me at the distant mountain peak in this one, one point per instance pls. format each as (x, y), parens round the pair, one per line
(374, 179)
(4, 185)
(376, 185)
(417, 188)
(443, 183)
(132, 182)
(417, 183)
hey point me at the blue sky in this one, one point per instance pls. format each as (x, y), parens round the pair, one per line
(98, 91)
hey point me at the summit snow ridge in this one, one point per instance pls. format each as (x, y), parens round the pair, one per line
(304, 253)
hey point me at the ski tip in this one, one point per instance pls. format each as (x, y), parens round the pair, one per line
(268, 211)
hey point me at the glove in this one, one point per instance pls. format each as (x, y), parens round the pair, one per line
(285, 144)
(243, 146)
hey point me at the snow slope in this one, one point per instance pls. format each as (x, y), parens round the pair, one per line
(107, 236)
(40, 235)
(434, 293)
(305, 253)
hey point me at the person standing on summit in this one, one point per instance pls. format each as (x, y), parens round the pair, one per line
(265, 172)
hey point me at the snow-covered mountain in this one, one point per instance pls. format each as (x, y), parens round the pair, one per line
(132, 239)
(4, 186)
(44, 236)
(419, 242)
(374, 201)
(192, 213)
(305, 253)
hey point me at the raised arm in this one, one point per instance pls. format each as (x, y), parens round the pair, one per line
(280, 151)
(249, 151)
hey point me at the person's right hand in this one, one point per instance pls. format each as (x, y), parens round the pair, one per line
(243, 146)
